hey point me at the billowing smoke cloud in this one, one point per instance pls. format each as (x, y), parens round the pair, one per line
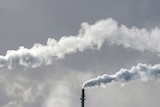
(90, 36)
(141, 72)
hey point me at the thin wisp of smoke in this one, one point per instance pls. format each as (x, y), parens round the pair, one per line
(141, 72)
(89, 37)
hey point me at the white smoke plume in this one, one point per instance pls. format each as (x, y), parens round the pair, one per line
(89, 36)
(141, 72)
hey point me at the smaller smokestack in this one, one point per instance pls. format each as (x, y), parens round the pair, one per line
(82, 98)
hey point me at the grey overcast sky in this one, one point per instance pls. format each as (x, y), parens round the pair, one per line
(26, 22)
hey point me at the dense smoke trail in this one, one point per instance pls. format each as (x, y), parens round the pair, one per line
(141, 72)
(90, 36)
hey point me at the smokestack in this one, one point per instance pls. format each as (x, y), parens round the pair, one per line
(82, 98)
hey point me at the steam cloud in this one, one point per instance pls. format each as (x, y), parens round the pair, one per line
(142, 72)
(89, 37)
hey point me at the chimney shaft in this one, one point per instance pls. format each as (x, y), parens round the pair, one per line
(82, 98)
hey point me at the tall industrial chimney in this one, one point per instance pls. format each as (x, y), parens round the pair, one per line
(82, 98)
